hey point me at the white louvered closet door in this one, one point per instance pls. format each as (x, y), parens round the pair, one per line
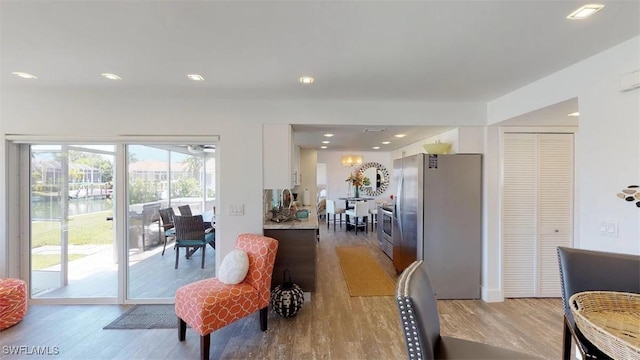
(537, 211)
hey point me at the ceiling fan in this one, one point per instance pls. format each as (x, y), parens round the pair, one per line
(199, 149)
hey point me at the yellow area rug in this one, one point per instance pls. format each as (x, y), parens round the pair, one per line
(362, 273)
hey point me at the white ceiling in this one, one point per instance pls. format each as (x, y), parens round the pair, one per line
(452, 51)
(362, 138)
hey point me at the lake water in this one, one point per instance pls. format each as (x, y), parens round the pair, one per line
(49, 208)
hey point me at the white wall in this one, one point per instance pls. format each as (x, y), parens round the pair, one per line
(113, 111)
(607, 151)
(466, 139)
(308, 169)
(337, 174)
(607, 146)
(449, 136)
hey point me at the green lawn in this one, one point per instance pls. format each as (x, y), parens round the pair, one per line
(87, 229)
(43, 261)
(83, 230)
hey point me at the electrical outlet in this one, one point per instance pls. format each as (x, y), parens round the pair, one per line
(236, 209)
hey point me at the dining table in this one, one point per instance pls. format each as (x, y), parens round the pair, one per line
(209, 216)
(348, 199)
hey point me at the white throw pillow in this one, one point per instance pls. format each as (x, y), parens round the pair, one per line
(234, 267)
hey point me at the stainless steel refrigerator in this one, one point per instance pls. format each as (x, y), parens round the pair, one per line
(438, 218)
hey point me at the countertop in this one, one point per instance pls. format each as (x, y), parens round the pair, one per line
(298, 224)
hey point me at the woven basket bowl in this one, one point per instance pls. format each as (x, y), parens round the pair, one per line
(610, 320)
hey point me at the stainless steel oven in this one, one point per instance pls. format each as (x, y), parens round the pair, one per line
(387, 222)
(385, 228)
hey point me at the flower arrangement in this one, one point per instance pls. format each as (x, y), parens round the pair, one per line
(358, 179)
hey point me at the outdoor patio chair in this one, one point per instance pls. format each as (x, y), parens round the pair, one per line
(190, 233)
(168, 229)
(185, 210)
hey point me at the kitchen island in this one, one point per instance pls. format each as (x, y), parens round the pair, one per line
(297, 242)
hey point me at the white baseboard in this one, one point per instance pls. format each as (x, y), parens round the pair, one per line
(491, 295)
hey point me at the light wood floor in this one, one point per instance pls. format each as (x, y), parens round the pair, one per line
(332, 326)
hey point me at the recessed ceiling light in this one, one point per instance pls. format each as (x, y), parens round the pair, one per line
(376, 147)
(326, 142)
(111, 76)
(323, 147)
(585, 11)
(328, 135)
(195, 77)
(400, 135)
(574, 114)
(386, 142)
(306, 80)
(23, 75)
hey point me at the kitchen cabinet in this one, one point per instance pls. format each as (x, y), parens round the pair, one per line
(297, 250)
(297, 174)
(297, 253)
(277, 140)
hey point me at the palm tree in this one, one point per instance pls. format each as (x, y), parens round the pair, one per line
(194, 165)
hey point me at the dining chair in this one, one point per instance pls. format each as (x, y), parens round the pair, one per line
(168, 229)
(585, 270)
(359, 211)
(373, 215)
(321, 208)
(190, 233)
(331, 211)
(185, 210)
(420, 323)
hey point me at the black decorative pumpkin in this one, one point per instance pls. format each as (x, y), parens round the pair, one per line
(286, 299)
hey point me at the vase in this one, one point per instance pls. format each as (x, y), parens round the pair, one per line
(356, 191)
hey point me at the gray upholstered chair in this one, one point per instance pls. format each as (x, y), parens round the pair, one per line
(420, 323)
(586, 270)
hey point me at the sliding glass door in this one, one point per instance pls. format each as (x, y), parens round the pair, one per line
(94, 230)
(162, 177)
(72, 249)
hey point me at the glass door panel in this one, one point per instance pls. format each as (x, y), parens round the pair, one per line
(73, 250)
(160, 177)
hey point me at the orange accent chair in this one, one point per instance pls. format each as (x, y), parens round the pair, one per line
(13, 302)
(210, 304)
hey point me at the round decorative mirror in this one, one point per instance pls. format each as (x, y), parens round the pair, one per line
(378, 178)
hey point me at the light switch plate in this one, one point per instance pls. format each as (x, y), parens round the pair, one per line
(609, 227)
(236, 209)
